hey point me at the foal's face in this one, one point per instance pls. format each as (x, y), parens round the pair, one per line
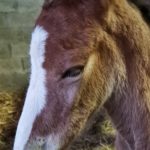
(68, 43)
(63, 57)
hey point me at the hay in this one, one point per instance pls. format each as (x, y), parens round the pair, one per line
(100, 136)
(9, 113)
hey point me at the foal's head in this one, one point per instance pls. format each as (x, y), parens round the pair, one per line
(72, 72)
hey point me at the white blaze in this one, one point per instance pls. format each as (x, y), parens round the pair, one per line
(36, 94)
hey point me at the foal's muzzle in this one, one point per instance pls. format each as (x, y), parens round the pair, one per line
(38, 143)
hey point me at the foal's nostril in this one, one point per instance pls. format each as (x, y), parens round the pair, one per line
(40, 141)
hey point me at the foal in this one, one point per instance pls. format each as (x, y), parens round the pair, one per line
(85, 54)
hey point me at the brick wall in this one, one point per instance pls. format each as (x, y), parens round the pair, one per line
(16, 21)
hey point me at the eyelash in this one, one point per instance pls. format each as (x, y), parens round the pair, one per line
(73, 72)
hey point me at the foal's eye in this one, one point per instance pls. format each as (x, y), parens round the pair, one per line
(73, 72)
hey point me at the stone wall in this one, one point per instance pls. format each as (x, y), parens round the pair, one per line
(17, 19)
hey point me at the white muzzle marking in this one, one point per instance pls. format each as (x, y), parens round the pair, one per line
(36, 94)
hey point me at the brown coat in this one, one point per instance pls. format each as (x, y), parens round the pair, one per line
(112, 41)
